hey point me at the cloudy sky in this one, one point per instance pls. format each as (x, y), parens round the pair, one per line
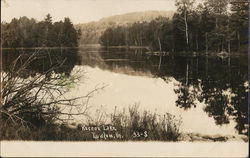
(79, 11)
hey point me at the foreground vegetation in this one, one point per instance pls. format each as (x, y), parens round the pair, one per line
(131, 126)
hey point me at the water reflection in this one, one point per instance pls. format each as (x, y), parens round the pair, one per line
(217, 82)
(63, 61)
(221, 85)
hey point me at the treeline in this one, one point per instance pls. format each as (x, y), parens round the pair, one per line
(209, 26)
(92, 31)
(25, 32)
(140, 34)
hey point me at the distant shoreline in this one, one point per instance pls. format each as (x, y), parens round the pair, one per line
(81, 46)
(42, 48)
(125, 47)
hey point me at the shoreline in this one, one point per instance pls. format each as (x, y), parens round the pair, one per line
(81, 46)
(149, 52)
(197, 137)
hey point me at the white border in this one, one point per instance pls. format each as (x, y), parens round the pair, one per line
(125, 149)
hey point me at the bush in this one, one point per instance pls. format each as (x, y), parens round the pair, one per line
(35, 101)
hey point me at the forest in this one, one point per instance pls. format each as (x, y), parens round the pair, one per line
(92, 31)
(210, 26)
(25, 32)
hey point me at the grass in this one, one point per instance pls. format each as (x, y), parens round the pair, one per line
(123, 126)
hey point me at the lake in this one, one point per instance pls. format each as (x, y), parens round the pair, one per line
(208, 93)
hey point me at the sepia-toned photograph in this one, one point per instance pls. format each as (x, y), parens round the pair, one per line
(111, 73)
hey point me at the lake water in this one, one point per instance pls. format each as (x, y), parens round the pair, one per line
(209, 93)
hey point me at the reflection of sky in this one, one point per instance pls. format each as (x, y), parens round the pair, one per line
(150, 93)
(79, 11)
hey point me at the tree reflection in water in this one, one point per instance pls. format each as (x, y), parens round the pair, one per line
(44, 60)
(221, 84)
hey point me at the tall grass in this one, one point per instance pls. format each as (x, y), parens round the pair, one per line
(156, 127)
(132, 125)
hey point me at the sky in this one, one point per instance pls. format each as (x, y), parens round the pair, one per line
(79, 11)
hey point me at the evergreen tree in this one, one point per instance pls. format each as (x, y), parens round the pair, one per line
(25, 32)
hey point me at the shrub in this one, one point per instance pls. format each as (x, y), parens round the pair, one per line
(34, 101)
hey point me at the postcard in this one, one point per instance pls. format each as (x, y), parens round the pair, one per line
(127, 78)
